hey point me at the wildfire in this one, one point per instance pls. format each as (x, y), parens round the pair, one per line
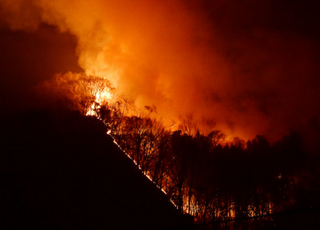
(91, 110)
(101, 97)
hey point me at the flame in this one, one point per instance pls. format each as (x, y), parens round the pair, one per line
(102, 96)
(91, 110)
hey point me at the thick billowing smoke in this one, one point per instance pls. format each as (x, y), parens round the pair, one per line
(244, 67)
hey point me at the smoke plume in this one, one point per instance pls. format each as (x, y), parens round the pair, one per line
(245, 68)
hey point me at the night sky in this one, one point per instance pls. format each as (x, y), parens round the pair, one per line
(246, 68)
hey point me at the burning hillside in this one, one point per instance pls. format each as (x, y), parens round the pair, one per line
(215, 101)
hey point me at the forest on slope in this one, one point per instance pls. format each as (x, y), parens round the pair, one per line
(60, 168)
(217, 181)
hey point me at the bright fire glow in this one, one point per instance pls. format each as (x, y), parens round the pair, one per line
(101, 97)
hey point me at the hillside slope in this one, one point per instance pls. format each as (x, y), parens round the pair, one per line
(59, 170)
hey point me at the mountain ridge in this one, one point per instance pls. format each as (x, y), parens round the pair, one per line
(60, 169)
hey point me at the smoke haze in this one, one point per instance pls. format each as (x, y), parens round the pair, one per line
(246, 68)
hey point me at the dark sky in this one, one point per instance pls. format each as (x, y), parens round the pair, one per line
(247, 68)
(27, 59)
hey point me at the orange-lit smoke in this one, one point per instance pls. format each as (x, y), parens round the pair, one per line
(223, 64)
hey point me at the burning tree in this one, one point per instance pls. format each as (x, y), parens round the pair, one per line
(87, 92)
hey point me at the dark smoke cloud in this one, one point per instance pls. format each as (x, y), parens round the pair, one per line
(28, 59)
(249, 67)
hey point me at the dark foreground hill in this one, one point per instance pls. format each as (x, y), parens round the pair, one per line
(59, 170)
